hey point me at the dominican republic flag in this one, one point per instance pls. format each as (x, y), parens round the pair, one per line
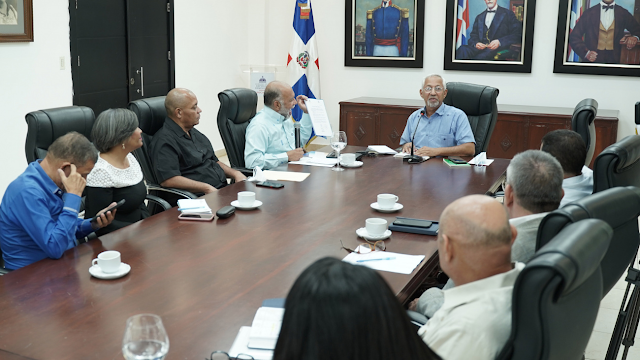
(463, 22)
(303, 67)
(576, 11)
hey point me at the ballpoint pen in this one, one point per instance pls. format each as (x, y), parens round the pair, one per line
(387, 258)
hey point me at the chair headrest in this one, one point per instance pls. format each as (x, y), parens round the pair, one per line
(586, 105)
(240, 104)
(600, 206)
(473, 99)
(627, 150)
(151, 113)
(50, 124)
(576, 252)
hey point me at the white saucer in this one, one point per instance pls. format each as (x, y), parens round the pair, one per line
(362, 232)
(96, 271)
(355, 164)
(396, 207)
(236, 204)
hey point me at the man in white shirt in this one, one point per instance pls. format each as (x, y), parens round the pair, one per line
(474, 247)
(568, 147)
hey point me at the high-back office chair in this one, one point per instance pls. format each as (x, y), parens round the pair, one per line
(618, 165)
(479, 103)
(45, 126)
(583, 123)
(557, 295)
(151, 114)
(237, 108)
(619, 207)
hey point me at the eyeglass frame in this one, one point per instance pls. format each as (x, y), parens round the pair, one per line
(373, 246)
(228, 356)
(438, 89)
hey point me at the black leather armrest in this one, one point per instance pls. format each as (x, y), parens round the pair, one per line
(180, 192)
(161, 202)
(245, 171)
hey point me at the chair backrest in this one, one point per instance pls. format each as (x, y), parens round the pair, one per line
(557, 295)
(151, 114)
(237, 108)
(618, 165)
(619, 207)
(45, 126)
(583, 123)
(479, 103)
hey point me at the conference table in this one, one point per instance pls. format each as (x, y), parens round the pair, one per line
(207, 279)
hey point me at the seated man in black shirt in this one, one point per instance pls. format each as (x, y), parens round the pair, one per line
(182, 156)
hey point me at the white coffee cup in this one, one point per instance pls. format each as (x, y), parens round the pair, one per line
(376, 226)
(108, 261)
(387, 201)
(246, 198)
(348, 159)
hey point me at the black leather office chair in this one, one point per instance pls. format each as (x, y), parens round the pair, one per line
(619, 207)
(45, 126)
(151, 114)
(237, 108)
(618, 165)
(479, 103)
(583, 123)
(557, 295)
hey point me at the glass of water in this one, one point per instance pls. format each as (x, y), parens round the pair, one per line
(338, 142)
(145, 338)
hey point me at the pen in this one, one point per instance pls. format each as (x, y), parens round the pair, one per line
(387, 258)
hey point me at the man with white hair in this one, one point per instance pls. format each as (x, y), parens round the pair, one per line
(440, 129)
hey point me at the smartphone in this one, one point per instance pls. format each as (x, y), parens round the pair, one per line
(117, 205)
(271, 184)
(457, 161)
(413, 223)
(196, 217)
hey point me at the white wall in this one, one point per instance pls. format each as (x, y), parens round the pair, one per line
(542, 87)
(214, 39)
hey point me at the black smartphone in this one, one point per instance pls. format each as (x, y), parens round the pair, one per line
(271, 184)
(413, 223)
(457, 161)
(117, 205)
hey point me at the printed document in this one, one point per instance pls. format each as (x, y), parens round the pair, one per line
(319, 118)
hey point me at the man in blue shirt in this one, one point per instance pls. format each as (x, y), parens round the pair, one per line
(442, 130)
(270, 138)
(39, 212)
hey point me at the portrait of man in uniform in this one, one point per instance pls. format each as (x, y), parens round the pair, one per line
(603, 32)
(384, 28)
(8, 13)
(496, 32)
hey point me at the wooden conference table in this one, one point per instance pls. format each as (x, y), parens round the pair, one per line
(206, 280)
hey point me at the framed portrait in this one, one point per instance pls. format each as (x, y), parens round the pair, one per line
(598, 37)
(16, 20)
(384, 33)
(489, 35)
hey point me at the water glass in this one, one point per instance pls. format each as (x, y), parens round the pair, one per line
(145, 338)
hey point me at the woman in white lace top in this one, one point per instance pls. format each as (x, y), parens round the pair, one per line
(117, 174)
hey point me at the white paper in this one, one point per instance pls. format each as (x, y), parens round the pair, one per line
(319, 118)
(382, 149)
(266, 328)
(258, 175)
(481, 160)
(315, 161)
(240, 346)
(285, 175)
(193, 206)
(401, 264)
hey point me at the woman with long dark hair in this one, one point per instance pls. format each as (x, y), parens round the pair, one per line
(341, 311)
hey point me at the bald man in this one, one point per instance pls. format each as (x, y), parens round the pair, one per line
(270, 139)
(474, 247)
(182, 156)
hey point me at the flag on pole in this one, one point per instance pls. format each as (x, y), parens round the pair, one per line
(463, 23)
(576, 12)
(303, 67)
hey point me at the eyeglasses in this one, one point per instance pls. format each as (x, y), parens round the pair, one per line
(438, 89)
(366, 247)
(221, 355)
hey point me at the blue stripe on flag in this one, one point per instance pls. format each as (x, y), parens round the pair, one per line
(304, 28)
(302, 88)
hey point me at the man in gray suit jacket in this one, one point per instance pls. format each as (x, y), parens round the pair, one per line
(495, 29)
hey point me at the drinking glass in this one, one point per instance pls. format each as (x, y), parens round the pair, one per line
(338, 142)
(145, 338)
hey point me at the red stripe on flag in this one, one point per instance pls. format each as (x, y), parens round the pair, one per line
(289, 59)
(317, 64)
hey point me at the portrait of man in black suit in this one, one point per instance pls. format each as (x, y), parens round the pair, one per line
(599, 33)
(494, 31)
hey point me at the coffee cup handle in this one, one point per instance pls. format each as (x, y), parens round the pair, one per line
(397, 198)
(94, 262)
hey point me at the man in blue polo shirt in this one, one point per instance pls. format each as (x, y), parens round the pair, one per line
(442, 130)
(39, 211)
